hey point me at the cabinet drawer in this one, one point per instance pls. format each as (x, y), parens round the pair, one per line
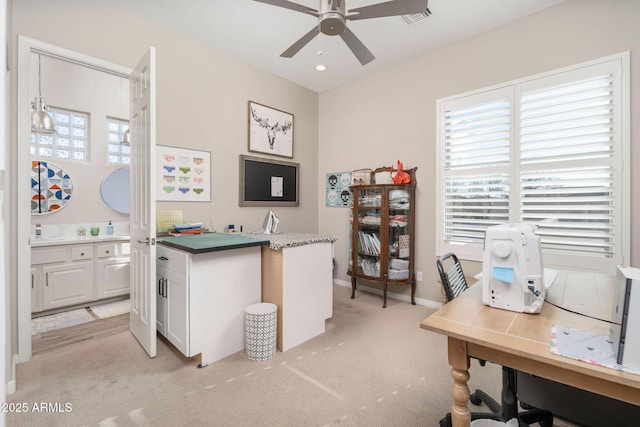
(79, 253)
(48, 255)
(172, 260)
(106, 250)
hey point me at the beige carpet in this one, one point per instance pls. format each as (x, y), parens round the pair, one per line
(373, 367)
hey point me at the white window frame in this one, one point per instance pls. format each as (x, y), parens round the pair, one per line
(621, 251)
(57, 137)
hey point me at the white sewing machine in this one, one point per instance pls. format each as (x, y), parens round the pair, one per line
(512, 270)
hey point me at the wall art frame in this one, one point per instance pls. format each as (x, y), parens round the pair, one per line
(270, 130)
(51, 187)
(183, 175)
(268, 182)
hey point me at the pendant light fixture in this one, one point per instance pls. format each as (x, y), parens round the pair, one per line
(41, 121)
(126, 138)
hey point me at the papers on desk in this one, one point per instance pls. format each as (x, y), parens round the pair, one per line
(585, 346)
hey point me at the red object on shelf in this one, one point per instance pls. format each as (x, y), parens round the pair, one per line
(400, 177)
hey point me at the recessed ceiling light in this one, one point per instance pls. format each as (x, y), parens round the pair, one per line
(321, 67)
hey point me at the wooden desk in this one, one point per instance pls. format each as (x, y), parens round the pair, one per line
(522, 341)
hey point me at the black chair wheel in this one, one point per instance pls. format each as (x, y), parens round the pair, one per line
(443, 423)
(475, 399)
(546, 423)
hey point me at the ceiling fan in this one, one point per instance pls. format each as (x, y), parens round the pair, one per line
(333, 16)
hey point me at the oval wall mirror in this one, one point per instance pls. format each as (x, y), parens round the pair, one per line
(114, 190)
(51, 187)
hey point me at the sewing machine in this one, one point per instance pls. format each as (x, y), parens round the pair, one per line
(512, 271)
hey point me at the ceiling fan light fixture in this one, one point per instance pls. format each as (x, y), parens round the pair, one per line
(332, 24)
(333, 16)
(331, 19)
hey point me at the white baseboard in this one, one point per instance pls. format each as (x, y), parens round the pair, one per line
(10, 386)
(401, 297)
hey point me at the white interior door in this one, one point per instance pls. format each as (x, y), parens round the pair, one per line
(143, 202)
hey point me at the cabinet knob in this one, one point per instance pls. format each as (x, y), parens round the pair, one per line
(107, 251)
(81, 253)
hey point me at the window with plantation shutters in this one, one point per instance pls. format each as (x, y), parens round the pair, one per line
(548, 150)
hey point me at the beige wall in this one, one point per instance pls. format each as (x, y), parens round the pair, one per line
(202, 100)
(101, 95)
(391, 115)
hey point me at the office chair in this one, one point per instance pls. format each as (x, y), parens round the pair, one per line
(454, 284)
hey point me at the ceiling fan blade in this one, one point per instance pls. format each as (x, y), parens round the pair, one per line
(389, 8)
(302, 42)
(361, 52)
(290, 5)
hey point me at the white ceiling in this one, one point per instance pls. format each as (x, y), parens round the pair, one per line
(258, 33)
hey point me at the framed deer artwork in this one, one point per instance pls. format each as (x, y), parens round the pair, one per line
(270, 130)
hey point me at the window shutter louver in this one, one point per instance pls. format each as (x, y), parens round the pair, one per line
(476, 190)
(566, 179)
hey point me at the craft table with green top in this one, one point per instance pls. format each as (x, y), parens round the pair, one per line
(204, 284)
(211, 242)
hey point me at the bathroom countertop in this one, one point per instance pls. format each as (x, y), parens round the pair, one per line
(54, 241)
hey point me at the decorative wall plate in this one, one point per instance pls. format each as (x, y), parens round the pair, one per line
(51, 187)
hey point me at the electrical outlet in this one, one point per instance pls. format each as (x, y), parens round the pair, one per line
(419, 276)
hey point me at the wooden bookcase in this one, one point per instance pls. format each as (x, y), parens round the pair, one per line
(383, 234)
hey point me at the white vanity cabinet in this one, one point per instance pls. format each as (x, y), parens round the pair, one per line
(112, 269)
(62, 276)
(70, 274)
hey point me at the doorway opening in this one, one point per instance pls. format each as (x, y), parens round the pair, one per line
(28, 49)
(96, 321)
